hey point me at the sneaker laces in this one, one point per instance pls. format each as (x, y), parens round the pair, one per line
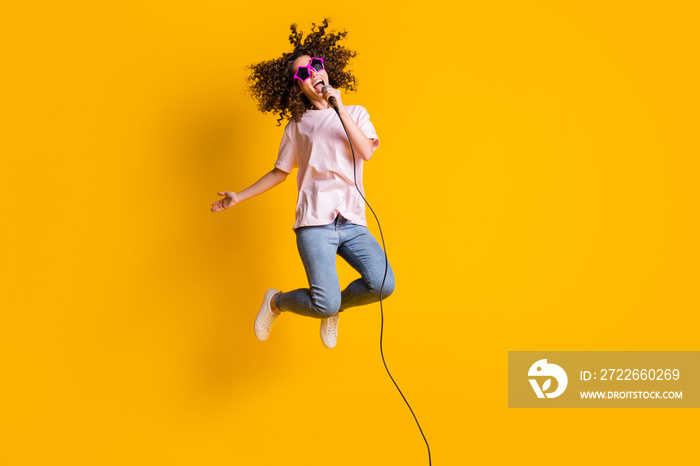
(269, 319)
(332, 325)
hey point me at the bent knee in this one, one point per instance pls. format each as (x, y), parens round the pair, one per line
(386, 288)
(327, 306)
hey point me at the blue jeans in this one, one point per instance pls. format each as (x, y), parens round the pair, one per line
(318, 246)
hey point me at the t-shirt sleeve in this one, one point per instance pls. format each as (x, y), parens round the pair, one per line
(287, 156)
(362, 120)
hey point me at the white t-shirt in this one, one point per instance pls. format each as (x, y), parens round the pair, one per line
(319, 147)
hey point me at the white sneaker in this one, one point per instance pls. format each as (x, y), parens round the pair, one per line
(265, 317)
(329, 331)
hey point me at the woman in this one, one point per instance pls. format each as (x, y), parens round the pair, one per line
(330, 212)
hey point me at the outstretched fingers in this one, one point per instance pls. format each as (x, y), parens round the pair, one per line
(218, 205)
(230, 199)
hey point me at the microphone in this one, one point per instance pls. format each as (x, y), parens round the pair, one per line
(331, 100)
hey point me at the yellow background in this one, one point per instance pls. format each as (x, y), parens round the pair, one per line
(536, 183)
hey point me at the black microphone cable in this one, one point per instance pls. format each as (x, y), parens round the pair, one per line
(386, 270)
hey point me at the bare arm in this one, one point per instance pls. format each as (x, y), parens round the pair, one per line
(267, 182)
(362, 145)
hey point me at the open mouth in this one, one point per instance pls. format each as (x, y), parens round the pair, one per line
(318, 85)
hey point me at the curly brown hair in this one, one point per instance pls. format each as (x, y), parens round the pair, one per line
(272, 84)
